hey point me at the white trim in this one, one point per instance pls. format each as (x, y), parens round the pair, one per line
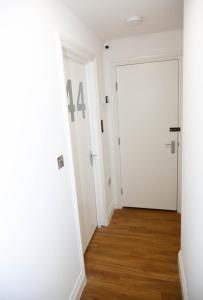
(141, 60)
(110, 216)
(180, 134)
(97, 148)
(78, 287)
(74, 50)
(110, 212)
(182, 277)
(146, 59)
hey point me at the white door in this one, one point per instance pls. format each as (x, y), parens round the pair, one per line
(148, 107)
(77, 106)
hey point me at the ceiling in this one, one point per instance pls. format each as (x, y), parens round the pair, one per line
(107, 17)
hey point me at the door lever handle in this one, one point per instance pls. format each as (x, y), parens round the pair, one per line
(173, 146)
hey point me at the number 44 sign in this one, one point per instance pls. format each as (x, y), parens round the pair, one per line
(80, 100)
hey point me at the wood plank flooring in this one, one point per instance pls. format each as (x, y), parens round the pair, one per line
(135, 258)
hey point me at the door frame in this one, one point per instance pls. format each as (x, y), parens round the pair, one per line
(143, 60)
(66, 46)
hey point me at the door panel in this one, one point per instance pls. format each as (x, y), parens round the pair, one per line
(147, 108)
(77, 105)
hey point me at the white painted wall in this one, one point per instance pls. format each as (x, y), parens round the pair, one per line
(192, 187)
(40, 252)
(163, 44)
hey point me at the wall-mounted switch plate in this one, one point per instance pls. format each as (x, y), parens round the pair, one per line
(60, 161)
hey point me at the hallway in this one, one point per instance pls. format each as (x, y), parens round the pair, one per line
(135, 258)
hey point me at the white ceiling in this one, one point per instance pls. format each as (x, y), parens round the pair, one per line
(107, 17)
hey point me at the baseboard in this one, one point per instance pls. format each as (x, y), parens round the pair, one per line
(78, 287)
(110, 212)
(182, 277)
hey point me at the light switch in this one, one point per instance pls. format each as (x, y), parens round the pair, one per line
(60, 161)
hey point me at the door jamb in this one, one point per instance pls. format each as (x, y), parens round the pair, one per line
(89, 59)
(133, 61)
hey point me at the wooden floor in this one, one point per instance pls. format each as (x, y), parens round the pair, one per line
(135, 257)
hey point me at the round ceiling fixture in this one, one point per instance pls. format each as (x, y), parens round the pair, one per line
(134, 20)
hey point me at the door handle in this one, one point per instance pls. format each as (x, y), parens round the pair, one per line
(92, 156)
(173, 146)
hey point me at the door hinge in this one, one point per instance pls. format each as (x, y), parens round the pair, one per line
(119, 141)
(92, 156)
(121, 191)
(116, 86)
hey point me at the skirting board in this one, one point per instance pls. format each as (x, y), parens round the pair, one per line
(182, 277)
(110, 212)
(79, 287)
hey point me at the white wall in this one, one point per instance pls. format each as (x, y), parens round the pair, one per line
(163, 44)
(192, 187)
(40, 252)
